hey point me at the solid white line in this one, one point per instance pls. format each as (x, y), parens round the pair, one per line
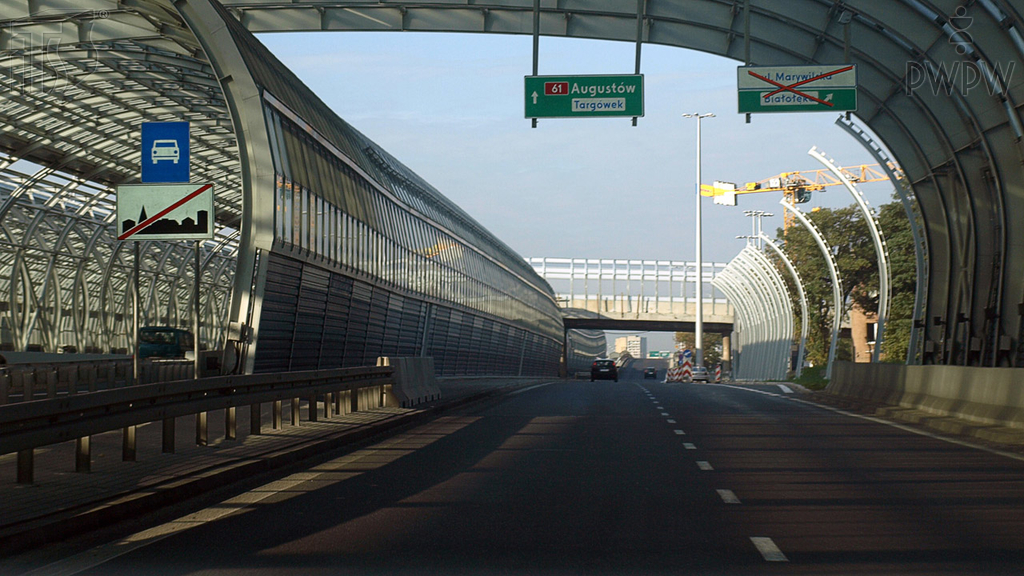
(704, 465)
(1019, 457)
(768, 549)
(728, 497)
(528, 388)
(689, 446)
(679, 432)
(670, 421)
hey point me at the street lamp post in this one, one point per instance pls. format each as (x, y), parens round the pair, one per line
(698, 356)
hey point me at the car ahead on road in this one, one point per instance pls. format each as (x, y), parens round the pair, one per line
(700, 374)
(604, 370)
(650, 373)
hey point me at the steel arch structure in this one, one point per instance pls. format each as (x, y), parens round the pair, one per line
(66, 114)
(328, 251)
(961, 146)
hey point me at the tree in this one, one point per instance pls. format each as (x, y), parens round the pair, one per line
(712, 345)
(848, 235)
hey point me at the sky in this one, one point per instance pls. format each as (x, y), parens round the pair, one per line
(450, 106)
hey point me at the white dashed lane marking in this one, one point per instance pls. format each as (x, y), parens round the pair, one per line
(670, 421)
(704, 465)
(728, 497)
(689, 446)
(679, 432)
(768, 549)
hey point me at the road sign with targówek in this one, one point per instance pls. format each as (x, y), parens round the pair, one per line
(819, 88)
(584, 96)
(165, 152)
(165, 212)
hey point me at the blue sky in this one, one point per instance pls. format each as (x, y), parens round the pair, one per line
(450, 106)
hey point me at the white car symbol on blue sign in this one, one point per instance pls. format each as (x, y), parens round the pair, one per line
(165, 147)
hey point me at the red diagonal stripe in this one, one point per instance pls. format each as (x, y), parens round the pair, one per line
(163, 212)
(793, 90)
(818, 77)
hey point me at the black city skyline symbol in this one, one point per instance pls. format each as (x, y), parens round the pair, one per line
(169, 226)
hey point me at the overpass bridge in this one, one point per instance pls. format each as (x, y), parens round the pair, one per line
(623, 294)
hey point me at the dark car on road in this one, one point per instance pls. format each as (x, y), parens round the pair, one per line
(604, 370)
(650, 373)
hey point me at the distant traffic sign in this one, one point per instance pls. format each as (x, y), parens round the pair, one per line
(167, 212)
(584, 96)
(165, 152)
(830, 88)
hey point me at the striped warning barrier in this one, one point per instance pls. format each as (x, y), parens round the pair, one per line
(674, 375)
(718, 373)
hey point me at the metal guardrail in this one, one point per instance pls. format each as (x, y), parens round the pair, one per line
(21, 382)
(25, 426)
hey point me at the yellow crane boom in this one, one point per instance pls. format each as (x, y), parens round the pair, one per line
(797, 186)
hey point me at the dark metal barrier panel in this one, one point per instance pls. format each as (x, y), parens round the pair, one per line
(316, 318)
(28, 425)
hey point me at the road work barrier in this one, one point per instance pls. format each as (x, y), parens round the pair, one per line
(992, 398)
(415, 382)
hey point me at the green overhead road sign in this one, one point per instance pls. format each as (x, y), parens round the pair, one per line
(819, 88)
(584, 96)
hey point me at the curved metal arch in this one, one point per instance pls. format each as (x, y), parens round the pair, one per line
(804, 321)
(810, 41)
(837, 283)
(881, 249)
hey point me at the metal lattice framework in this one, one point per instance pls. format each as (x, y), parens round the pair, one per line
(77, 80)
(76, 84)
(960, 145)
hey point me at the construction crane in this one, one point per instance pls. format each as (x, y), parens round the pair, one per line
(796, 187)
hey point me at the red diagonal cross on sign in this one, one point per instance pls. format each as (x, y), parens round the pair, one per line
(792, 87)
(142, 225)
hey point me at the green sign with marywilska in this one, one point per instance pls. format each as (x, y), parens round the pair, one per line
(584, 96)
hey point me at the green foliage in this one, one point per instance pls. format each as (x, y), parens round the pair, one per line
(712, 345)
(847, 233)
(812, 377)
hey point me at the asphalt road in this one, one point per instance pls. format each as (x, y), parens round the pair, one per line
(635, 477)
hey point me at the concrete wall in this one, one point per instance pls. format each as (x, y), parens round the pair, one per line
(991, 396)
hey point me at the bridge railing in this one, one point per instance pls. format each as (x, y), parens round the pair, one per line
(41, 380)
(25, 426)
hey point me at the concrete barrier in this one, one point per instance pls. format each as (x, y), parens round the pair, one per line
(415, 381)
(987, 396)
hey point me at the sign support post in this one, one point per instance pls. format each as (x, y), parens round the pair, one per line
(128, 434)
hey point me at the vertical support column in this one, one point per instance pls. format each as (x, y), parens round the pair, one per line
(202, 436)
(230, 424)
(128, 448)
(726, 352)
(128, 451)
(337, 402)
(255, 419)
(328, 405)
(639, 36)
(83, 454)
(26, 466)
(295, 411)
(168, 436)
(277, 415)
(536, 43)
(313, 404)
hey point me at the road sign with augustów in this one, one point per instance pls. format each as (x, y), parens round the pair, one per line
(584, 96)
(819, 88)
(165, 212)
